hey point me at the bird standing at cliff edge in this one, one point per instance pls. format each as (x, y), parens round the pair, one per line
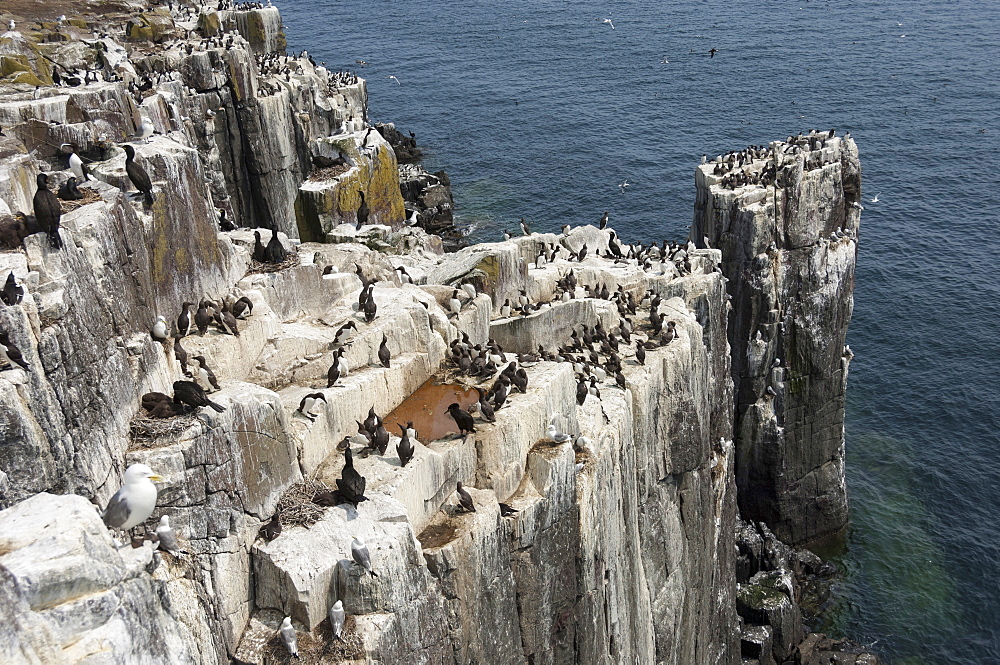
(138, 175)
(48, 210)
(135, 501)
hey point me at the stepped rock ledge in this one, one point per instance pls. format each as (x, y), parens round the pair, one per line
(662, 530)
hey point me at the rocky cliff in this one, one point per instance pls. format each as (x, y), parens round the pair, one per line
(786, 219)
(623, 546)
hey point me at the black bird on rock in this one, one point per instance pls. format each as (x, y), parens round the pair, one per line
(405, 447)
(462, 418)
(138, 175)
(272, 529)
(362, 212)
(225, 224)
(370, 308)
(465, 499)
(242, 308)
(48, 210)
(308, 403)
(259, 255)
(333, 374)
(351, 484)
(68, 191)
(275, 251)
(9, 352)
(190, 393)
(383, 352)
(13, 292)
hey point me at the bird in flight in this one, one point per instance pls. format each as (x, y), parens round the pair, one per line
(875, 200)
(664, 61)
(712, 51)
(608, 21)
(362, 63)
(394, 79)
(623, 185)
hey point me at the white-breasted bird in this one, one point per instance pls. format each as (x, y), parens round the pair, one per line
(135, 501)
(361, 556)
(337, 618)
(167, 536)
(288, 638)
(555, 435)
(159, 331)
(454, 304)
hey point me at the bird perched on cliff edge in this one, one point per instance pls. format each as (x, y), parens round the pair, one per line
(9, 352)
(12, 292)
(48, 210)
(190, 393)
(462, 418)
(167, 536)
(405, 447)
(361, 556)
(465, 499)
(383, 352)
(135, 501)
(138, 175)
(275, 252)
(68, 191)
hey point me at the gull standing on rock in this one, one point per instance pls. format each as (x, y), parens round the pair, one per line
(159, 331)
(288, 638)
(135, 501)
(361, 556)
(337, 618)
(145, 129)
(167, 536)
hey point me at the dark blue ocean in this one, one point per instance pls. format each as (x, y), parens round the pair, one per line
(539, 110)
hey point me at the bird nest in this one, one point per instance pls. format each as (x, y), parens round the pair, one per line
(149, 432)
(318, 646)
(257, 268)
(296, 506)
(89, 196)
(328, 172)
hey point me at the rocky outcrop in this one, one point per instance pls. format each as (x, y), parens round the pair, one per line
(785, 217)
(624, 545)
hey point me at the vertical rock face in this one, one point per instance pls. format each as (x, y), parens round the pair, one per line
(788, 236)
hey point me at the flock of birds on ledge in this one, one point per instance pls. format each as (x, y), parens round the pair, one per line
(597, 355)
